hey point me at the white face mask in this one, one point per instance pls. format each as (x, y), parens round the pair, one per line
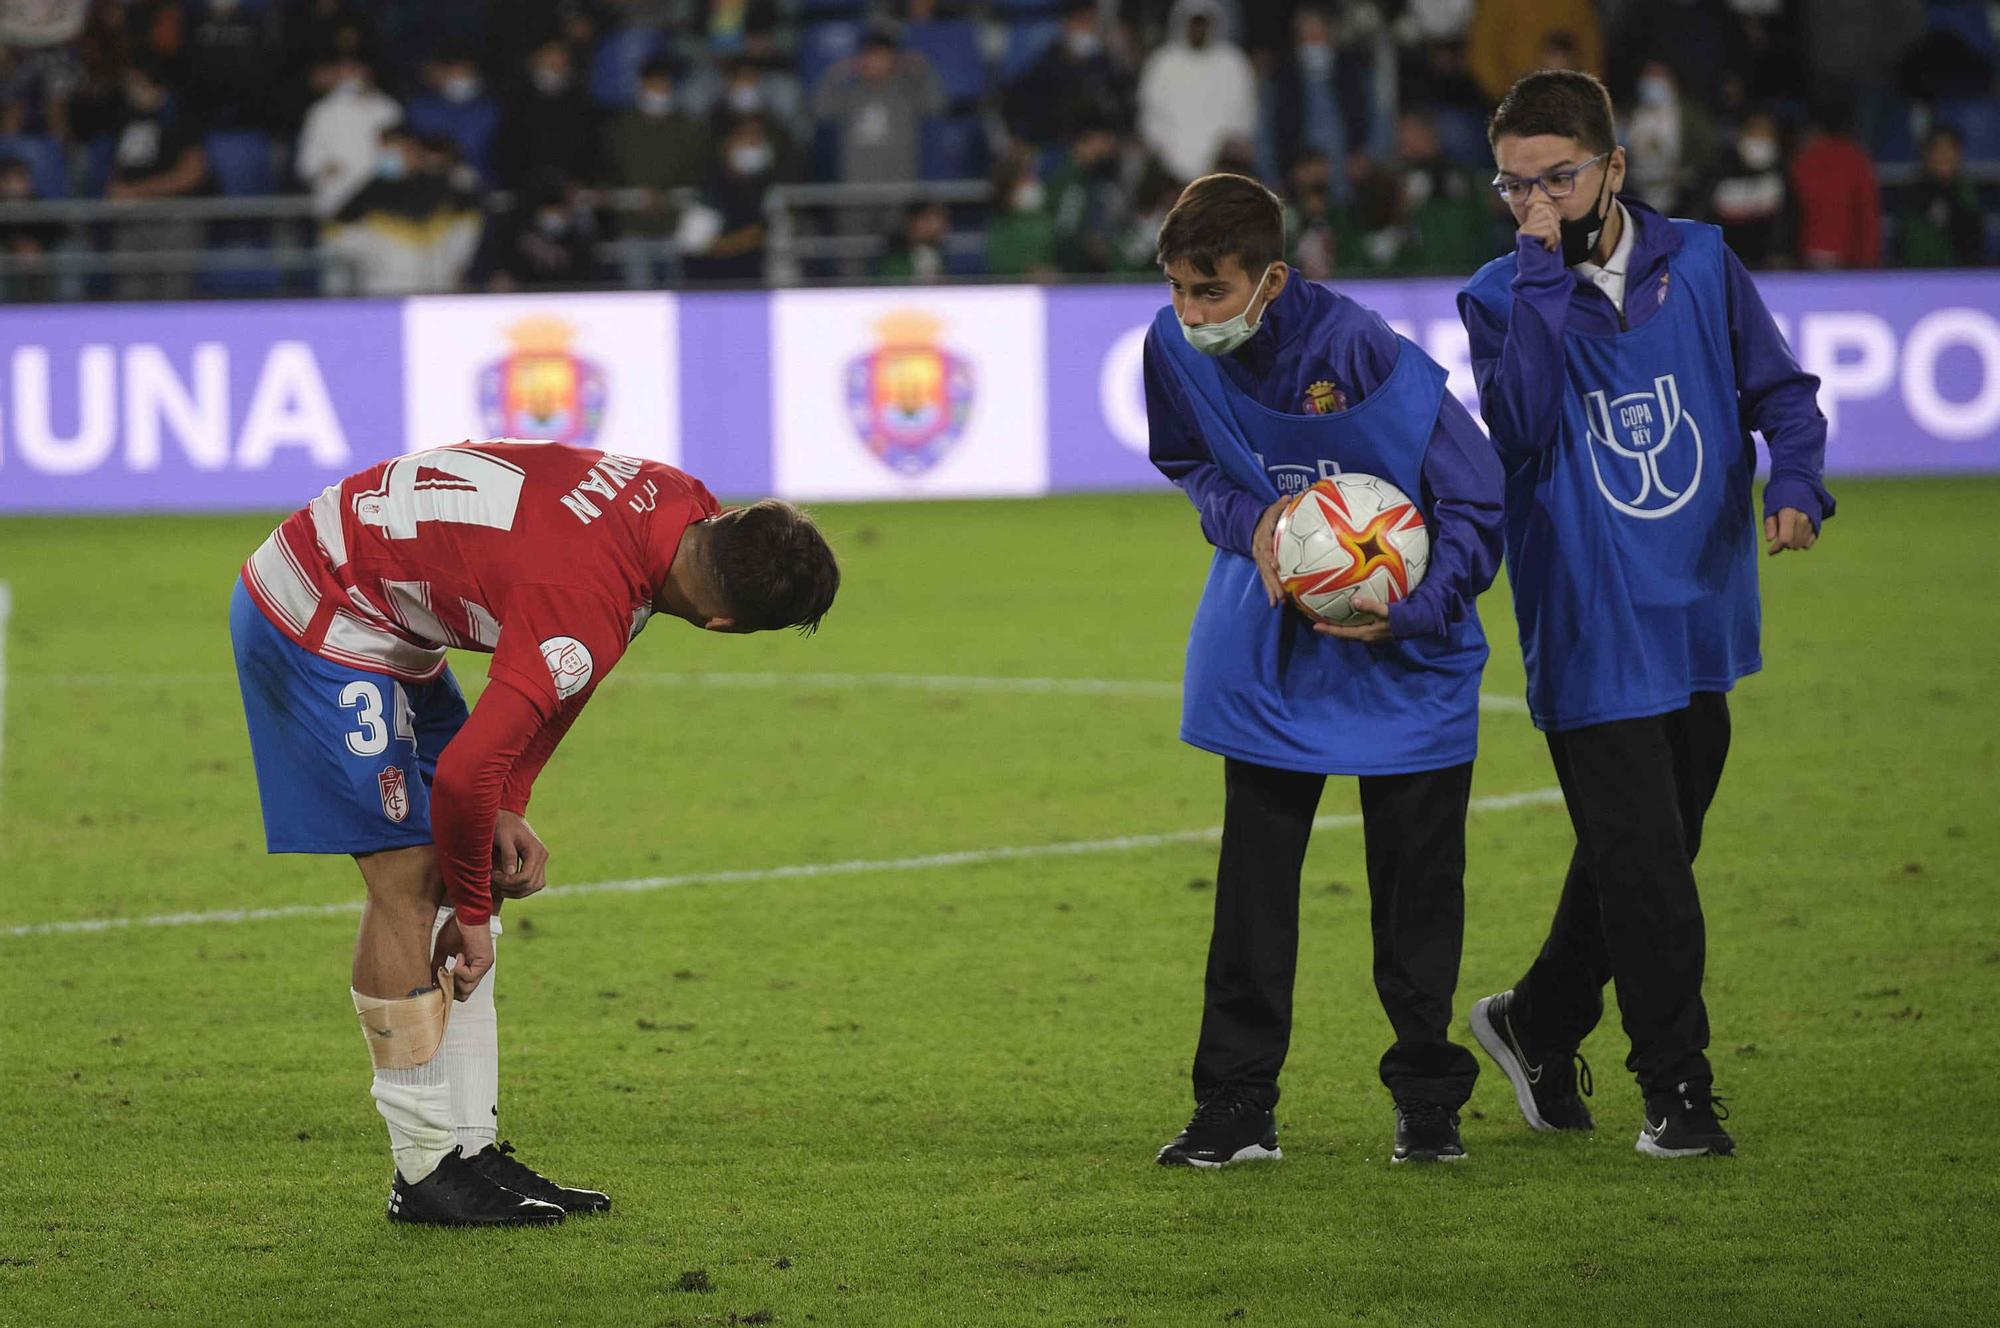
(1030, 196)
(1655, 91)
(461, 88)
(750, 158)
(653, 102)
(1759, 154)
(1221, 338)
(745, 97)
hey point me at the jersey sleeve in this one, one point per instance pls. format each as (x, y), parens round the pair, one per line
(557, 642)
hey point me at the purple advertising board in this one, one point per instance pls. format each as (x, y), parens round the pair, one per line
(207, 407)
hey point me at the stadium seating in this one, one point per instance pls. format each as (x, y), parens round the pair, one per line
(240, 161)
(44, 159)
(952, 47)
(1977, 120)
(614, 69)
(952, 148)
(1025, 44)
(824, 45)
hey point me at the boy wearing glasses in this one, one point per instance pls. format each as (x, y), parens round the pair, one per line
(1622, 361)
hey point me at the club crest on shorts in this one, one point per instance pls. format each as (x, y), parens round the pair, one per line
(909, 398)
(395, 794)
(569, 664)
(1654, 446)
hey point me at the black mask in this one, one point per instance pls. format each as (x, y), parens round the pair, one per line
(1579, 234)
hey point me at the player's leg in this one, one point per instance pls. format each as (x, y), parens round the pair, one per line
(471, 1052)
(335, 774)
(1639, 850)
(1532, 1031)
(1253, 954)
(1414, 828)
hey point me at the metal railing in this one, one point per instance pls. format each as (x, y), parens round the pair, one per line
(790, 244)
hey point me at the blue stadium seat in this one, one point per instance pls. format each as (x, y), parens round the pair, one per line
(823, 9)
(473, 125)
(1019, 9)
(47, 164)
(614, 70)
(1977, 120)
(952, 148)
(1025, 44)
(824, 45)
(1966, 20)
(239, 161)
(1895, 139)
(1462, 134)
(952, 47)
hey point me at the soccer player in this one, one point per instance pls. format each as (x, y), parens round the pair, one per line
(1622, 361)
(552, 558)
(1259, 384)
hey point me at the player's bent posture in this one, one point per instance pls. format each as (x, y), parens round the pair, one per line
(1257, 385)
(1622, 361)
(552, 558)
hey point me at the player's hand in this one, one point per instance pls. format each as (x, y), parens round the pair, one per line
(1788, 528)
(1374, 631)
(1543, 223)
(1264, 551)
(474, 956)
(520, 859)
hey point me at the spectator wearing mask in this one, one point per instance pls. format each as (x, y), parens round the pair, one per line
(658, 146)
(1076, 80)
(456, 105)
(1748, 197)
(1197, 93)
(549, 242)
(1839, 205)
(341, 134)
(877, 99)
(1447, 211)
(748, 158)
(758, 80)
(1087, 204)
(1669, 140)
(1021, 238)
(550, 127)
(1940, 224)
(411, 230)
(917, 253)
(1508, 39)
(157, 154)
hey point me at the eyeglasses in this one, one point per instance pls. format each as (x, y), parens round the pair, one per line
(1556, 184)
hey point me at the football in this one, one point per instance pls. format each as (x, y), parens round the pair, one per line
(1346, 535)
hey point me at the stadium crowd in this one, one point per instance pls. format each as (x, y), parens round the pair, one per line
(461, 144)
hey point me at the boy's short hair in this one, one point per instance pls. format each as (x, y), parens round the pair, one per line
(773, 567)
(1565, 102)
(1219, 216)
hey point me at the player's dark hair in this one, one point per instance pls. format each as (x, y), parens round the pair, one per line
(1565, 102)
(773, 567)
(1219, 216)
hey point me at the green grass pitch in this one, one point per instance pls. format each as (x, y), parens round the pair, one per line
(931, 1095)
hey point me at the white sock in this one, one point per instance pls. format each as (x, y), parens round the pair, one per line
(416, 1105)
(471, 1056)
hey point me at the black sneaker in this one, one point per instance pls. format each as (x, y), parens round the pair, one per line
(1549, 1086)
(457, 1194)
(1426, 1132)
(1685, 1123)
(498, 1164)
(1227, 1128)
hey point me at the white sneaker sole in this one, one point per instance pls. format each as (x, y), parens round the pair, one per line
(1651, 1148)
(1447, 1157)
(1250, 1153)
(1496, 1048)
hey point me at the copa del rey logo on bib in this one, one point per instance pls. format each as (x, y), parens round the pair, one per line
(1646, 449)
(569, 664)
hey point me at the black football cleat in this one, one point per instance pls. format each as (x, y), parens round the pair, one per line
(457, 1194)
(1685, 1123)
(1549, 1086)
(1226, 1129)
(1426, 1132)
(498, 1164)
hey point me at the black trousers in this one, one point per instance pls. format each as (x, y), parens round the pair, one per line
(1414, 831)
(1637, 791)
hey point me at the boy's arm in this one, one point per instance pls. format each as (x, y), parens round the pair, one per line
(1519, 364)
(1229, 515)
(1779, 400)
(1463, 478)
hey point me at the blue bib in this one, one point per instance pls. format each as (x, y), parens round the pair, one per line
(1631, 541)
(1261, 685)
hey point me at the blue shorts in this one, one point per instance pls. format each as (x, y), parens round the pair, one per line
(344, 756)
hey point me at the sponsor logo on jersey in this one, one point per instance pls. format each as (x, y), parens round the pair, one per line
(1323, 398)
(542, 389)
(569, 664)
(1645, 449)
(909, 398)
(395, 794)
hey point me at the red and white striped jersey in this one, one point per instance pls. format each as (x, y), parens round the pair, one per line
(546, 555)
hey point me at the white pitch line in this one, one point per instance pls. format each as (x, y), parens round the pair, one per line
(1498, 802)
(922, 682)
